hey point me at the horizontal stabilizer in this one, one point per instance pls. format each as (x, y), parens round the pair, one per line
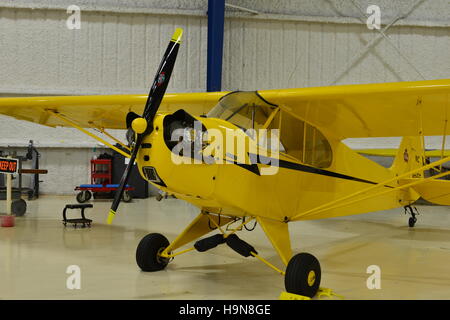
(435, 191)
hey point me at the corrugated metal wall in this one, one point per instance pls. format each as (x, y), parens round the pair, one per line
(277, 54)
(290, 44)
(118, 52)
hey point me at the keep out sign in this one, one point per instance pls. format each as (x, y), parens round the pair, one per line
(8, 165)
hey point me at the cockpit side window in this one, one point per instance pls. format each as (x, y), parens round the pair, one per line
(297, 138)
(302, 141)
(291, 135)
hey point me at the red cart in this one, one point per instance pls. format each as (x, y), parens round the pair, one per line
(101, 176)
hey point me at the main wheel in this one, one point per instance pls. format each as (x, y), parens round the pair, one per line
(303, 275)
(148, 250)
(126, 196)
(411, 222)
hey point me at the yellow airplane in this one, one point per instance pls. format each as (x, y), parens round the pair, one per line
(314, 174)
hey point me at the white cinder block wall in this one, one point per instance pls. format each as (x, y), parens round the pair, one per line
(291, 43)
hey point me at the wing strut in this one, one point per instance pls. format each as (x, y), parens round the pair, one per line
(73, 124)
(102, 130)
(420, 181)
(444, 136)
(332, 204)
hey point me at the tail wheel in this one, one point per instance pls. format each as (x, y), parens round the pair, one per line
(148, 250)
(303, 275)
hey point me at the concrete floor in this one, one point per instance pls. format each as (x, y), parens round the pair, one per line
(35, 254)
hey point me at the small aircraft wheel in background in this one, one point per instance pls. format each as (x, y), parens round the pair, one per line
(411, 222)
(19, 207)
(84, 196)
(303, 275)
(126, 196)
(147, 252)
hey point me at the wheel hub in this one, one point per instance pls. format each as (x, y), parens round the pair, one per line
(160, 259)
(311, 278)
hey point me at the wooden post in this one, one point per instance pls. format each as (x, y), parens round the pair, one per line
(8, 193)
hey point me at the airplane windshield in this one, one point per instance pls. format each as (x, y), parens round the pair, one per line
(245, 109)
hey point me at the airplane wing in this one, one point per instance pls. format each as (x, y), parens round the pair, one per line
(108, 112)
(350, 111)
(370, 110)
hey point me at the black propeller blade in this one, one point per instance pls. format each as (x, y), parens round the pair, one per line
(143, 126)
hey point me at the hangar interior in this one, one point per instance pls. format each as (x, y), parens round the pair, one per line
(266, 45)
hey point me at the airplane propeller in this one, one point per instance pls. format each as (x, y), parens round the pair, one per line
(144, 125)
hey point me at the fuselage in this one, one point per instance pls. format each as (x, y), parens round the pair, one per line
(232, 185)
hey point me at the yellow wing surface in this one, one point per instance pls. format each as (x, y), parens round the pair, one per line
(371, 110)
(350, 111)
(107, 112)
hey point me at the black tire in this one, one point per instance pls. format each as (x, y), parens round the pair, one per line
(83, 196)
(19, 207)
(412, 222)
(147, 252)
(303, 275)
(126, 196)
(88, 195)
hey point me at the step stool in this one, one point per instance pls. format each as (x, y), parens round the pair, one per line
(81, 220)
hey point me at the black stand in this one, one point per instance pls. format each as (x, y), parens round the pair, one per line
(83, 221)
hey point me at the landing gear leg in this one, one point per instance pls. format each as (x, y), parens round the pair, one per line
(413, 212)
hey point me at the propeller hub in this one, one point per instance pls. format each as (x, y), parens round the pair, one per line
(139, 125)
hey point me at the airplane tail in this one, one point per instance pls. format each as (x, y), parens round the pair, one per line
(410, 156)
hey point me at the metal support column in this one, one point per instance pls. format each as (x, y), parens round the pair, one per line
(216, 15)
